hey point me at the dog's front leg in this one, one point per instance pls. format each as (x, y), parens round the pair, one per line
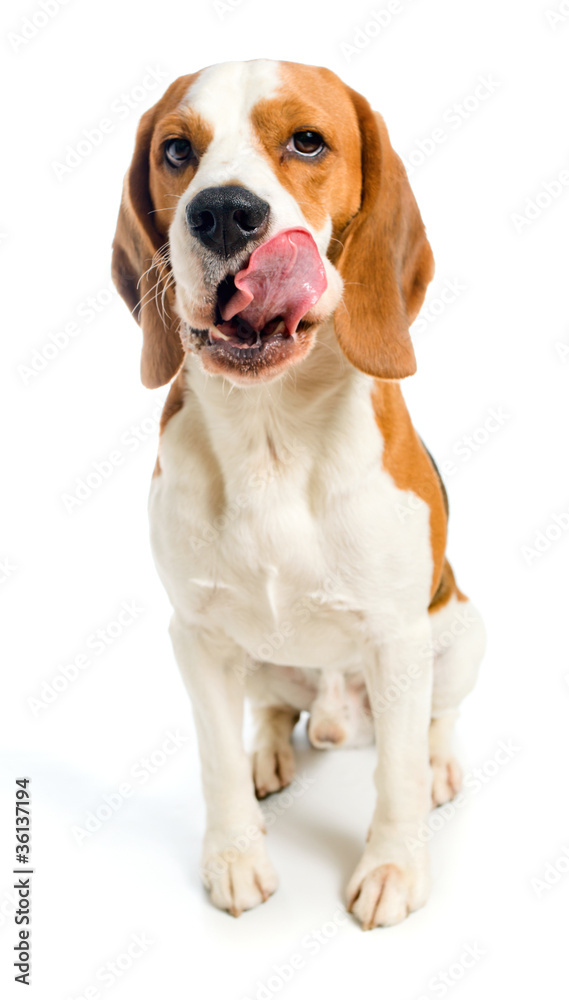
(235, 866)
(392, 878)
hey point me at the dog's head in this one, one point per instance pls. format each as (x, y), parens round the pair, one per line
(262, 198)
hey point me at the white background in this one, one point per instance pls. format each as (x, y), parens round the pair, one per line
(502, 345)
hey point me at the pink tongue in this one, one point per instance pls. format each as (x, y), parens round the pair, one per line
(284, 277)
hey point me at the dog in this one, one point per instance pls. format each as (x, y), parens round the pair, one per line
(270, 247)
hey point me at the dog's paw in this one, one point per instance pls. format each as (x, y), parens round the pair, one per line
(382, 893)
(239, 875)
(273, 769)
(447, 779)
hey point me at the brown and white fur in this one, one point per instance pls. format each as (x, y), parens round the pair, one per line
(298, 523)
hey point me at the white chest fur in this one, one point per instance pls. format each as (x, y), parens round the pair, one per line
(273, 521)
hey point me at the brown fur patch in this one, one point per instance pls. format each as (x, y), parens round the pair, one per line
(141, 273)
(314, 98)
(408, 463)
(386, 260)
(167, 185)
(446, 589)
(174, 403)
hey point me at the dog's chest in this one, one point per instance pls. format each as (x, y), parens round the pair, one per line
(268, 574)
(298, 560)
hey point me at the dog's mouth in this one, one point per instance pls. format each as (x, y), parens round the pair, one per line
(259, 312)
(237, 335)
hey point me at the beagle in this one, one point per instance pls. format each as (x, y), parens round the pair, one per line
(270, 247)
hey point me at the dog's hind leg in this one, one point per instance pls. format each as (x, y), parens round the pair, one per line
(458, 645)
(328, 716)
(340, 715)
(273, 758)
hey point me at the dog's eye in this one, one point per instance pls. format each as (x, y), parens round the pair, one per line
(307, 143)
(177, 152)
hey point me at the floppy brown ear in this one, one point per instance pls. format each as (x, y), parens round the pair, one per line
(141, 273)
(386, 262)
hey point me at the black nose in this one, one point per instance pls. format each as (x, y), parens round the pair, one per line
(225, 219)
